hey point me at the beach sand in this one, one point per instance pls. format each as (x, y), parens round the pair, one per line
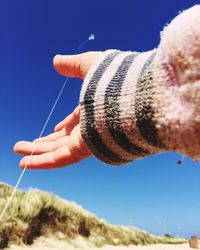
(80, 244)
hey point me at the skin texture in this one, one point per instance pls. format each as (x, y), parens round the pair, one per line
(65, 145)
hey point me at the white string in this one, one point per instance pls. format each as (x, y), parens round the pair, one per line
(91, 37)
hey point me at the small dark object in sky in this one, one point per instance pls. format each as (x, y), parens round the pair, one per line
(179, 162)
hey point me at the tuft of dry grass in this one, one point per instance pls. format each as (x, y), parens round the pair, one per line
(34, 213)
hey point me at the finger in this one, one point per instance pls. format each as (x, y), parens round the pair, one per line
(60, 158)
(75, 65)
(44, 161)
(24, 147)
(74, 150)
(70, 121)
(51, 137)
(28, 148)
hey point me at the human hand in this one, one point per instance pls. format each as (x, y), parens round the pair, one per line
(65, 146)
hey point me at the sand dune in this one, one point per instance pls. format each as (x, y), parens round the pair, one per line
(54, 244)
(35, 213)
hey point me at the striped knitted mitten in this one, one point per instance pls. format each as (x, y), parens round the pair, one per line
(137, 104)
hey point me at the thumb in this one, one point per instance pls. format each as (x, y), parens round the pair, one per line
(75, 65)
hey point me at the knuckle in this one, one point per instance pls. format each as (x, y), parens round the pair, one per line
(78, 72)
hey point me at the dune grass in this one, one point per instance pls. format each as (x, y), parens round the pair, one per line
(34, 213)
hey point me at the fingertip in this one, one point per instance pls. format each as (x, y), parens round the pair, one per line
(22, 163)
(25, 163)
(57, 128)
(69, 65)
(22, 168)
(56, 59)
(57, 62)
(60, 63)
(17, 146)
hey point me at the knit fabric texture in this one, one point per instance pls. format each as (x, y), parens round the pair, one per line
(133, 105)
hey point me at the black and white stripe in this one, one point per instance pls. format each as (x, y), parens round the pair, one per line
(143, 105)
(112, 108)
(92, 137)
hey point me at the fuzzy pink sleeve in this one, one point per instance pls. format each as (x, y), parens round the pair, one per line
(177, 79)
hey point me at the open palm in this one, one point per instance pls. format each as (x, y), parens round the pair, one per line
(65, 146)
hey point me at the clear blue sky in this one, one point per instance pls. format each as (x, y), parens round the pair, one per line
(155, 194)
